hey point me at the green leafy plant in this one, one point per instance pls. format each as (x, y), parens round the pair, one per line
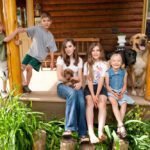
(54, 130)
(137, 129)
(17, 124)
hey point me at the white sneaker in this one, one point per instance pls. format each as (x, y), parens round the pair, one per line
(4, 94)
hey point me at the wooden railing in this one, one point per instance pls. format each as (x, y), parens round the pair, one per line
(82, 45)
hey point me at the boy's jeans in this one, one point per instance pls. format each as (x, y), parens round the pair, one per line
(75, 109)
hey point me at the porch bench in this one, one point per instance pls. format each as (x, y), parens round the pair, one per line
(82, 45)
(54, 107)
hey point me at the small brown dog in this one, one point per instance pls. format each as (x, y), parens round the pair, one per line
(137, 72)
(68, 74)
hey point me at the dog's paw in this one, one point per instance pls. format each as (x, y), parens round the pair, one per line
(134, 92)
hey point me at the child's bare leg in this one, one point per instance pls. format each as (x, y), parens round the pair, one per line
(4, 85)
(89, 118)
(116, 111)
(101, 114)
(23, 77)
(29, 73)
(123, 110)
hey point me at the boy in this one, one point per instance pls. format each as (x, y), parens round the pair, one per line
(3, 56)
(42, 42)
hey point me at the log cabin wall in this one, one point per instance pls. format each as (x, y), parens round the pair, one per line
(102, 19)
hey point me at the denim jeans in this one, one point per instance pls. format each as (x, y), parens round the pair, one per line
(75, 109)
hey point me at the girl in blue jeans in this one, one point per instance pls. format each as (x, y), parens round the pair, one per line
(75, 103)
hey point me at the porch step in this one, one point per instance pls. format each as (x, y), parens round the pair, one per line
(53, 106)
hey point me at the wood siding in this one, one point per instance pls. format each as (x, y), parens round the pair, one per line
(102, 19)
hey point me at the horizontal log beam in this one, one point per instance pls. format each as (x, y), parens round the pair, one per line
(118, 12)
(92, 31)
(96, 25)
(87, 1)
(80, 19)
(102, 6)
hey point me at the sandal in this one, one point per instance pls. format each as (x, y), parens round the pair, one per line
(118, 132)
(102, 138)
(84, 140)
(121, 131)
(67, 134)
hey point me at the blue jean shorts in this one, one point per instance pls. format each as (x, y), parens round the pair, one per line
(125, 99)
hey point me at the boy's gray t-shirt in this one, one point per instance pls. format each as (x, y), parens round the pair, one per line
(42, 42)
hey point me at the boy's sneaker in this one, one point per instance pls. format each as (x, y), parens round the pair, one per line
(26, 89)
(4, 93)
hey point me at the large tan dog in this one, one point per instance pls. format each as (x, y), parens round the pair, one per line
(137, 72)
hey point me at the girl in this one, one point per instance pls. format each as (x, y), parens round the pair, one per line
(116, 84)
(75, 104)
(3, 53)
(95, 92)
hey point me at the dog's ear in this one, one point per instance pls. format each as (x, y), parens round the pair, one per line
(131, 40)
(135, 53)
(108, 55)
(70, 72)
(65, 73)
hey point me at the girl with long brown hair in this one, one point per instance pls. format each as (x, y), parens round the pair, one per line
(75, 103)
(95, 92)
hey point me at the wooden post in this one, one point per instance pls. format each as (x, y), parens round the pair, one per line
(14, 66)
(30, 12)
(147, 92)
(1, 11)
(39, 140)
(87, 146)
(145, 11)
(67, 144)
(124, 145)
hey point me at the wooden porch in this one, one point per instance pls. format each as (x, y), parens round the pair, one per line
(44, 96)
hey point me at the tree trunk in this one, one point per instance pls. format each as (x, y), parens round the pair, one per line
(39, 140)
(67, 144)
(123, 145)
(87, 146)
